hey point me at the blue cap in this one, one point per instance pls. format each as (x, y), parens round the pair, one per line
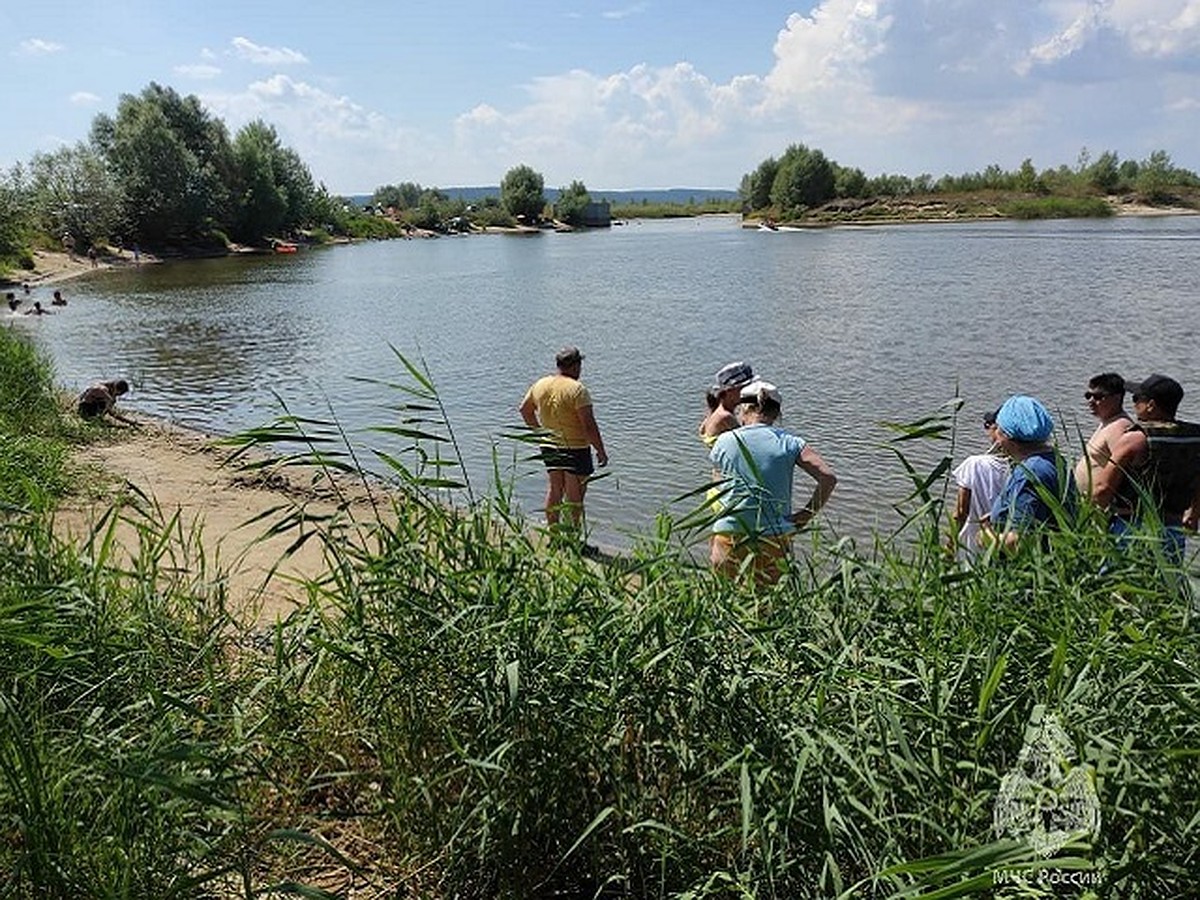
(1025, 419)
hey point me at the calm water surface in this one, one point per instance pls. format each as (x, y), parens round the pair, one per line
(856, 325)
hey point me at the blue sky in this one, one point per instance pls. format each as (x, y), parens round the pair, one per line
(657, 93)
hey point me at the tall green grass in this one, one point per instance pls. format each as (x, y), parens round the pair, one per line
(32, 428)
(461, 710)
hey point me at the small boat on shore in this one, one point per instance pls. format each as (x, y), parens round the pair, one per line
(284, 247)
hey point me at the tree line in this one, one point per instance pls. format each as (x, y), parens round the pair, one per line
(522, 200)
(803, 179)
(164, 173)
(161, 172)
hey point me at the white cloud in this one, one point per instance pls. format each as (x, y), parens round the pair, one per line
(1162, 30)
(824, 83)
(1158, 29)
(1076, 34)
(84, 98)
(266, 56)
(919, 86)
(346, 145)
(624, 13)
(39, 47)
(201, 71)
(602, 128)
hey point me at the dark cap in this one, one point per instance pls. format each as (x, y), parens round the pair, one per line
(989, 417)
(567, 357)
(1157, 387)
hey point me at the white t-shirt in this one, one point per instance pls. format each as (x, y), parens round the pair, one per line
(983, 475)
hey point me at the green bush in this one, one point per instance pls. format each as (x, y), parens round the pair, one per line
(1057, 208)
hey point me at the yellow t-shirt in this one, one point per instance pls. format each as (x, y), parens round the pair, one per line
(558, 400)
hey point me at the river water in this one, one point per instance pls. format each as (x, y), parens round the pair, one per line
(856, 325)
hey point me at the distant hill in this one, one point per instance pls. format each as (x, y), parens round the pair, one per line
(681, 196)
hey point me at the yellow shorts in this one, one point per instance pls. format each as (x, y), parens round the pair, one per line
(769, 554)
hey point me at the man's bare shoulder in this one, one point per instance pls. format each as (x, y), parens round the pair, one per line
(1115, 428)
(1129, 446)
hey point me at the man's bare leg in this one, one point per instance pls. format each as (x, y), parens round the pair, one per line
(554, 494)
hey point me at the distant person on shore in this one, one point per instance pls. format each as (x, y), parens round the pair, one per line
(1105, 397)
(37, 310)
(100, 400)
(1154, 472)
(560, 407)
(137, 255)
(730, 380)
(59, 299)
(758, 461)
(68, 243)
(93, 256)
(980, 479)
(1023, 429)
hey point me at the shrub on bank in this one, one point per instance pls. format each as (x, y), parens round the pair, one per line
(1057, 208)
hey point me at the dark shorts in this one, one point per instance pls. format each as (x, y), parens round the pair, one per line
(576, 460)
(92, 409)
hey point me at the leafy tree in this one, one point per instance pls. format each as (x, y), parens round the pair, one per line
(262, 203)
(572, 203)
(73, 191)
(1027, 177)
(804, 179)
(274, 190)
(293, 176)
(756, 186)
(1155, 177)
(15, 217)
(849, 182)
(523, 193)
(403, 196)
(1105, 173)
(173, 162)
(892, 185)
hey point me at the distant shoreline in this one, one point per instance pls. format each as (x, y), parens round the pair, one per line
(55, 267)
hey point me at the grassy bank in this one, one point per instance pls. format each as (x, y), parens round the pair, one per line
(460, 711)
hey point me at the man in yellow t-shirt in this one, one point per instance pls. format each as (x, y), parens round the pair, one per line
(561, 407)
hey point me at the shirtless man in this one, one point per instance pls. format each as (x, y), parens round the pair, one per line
(1105, 398)
(1154, 474)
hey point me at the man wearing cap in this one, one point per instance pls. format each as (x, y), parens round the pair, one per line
(758, 462)
(1023, 430)
(1155, 463)
(1105, 397)
(561, 408)
(730, 380)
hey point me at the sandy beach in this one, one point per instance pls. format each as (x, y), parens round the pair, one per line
(227, 509)
(52, 267)
(185, 473)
